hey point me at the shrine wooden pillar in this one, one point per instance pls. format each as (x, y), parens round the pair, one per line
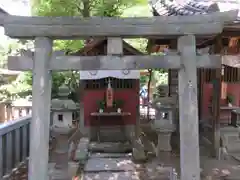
(188, 109)
(216, 103)
(41, 104)
(83, 129)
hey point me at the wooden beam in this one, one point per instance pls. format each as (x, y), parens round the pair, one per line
(40, 123)
(25, 63)
(76, 27)
(187, 86)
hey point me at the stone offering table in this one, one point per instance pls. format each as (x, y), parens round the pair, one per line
(225, 113)
(100, 117)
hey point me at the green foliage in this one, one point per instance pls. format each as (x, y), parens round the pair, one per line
(85, 8)
(230, 98)
(139, 10)
(82, 8)
(101, 104)
(140, 44)
(118, 103)
(8, 47)
(160, 77)
(68, 45)
(22, 86)
(16, 89)
(144, 79)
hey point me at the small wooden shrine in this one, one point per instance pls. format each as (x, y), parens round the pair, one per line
(110, 97)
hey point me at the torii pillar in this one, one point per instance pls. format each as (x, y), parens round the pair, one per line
(40, 123)
(188, 109)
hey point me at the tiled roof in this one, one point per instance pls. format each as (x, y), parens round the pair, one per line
(191, 7)
(3, 11)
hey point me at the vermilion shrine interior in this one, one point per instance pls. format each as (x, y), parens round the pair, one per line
(124, 85)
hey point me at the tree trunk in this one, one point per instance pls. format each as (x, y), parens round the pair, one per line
(86, 8)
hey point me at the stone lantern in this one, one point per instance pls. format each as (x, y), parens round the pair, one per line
(62, 129)
(63, 108)
(163, 124)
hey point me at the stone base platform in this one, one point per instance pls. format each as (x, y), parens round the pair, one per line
(114, 166)
(112, 176)
(119, 166)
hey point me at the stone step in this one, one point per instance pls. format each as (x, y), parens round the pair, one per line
(114, 166)
(101, 167)
(152, 173)
(110, 147)
(129, 175)
(94, 165)
(112, 176)
(110, 155)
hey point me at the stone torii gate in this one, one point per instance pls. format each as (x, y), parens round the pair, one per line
(45, 29)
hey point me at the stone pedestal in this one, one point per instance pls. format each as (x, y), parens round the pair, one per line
(61, 152)
(164, 141)
(164, 130)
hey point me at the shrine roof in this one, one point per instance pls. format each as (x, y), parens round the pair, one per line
(92, 44)
(3, 11)
(192, 7)
(195, 7)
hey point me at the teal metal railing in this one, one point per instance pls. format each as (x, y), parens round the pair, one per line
(14, 144)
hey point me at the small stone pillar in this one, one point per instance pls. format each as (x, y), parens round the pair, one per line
(163, 126)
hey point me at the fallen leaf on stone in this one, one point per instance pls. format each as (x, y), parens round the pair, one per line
(226, 172)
